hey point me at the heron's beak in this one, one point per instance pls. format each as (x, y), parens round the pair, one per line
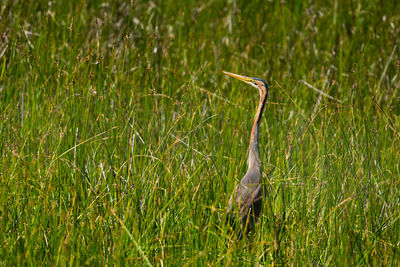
(240, 77)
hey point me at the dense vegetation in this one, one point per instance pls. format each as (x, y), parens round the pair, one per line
(121, 140)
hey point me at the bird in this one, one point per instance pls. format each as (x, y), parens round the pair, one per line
(245, 202)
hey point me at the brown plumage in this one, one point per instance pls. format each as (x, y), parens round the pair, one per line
(246, 199)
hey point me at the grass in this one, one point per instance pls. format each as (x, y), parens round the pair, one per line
(121, 140)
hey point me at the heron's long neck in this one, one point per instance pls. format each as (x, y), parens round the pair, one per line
(254, 151)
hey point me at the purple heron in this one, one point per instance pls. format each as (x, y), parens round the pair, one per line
(246, 200)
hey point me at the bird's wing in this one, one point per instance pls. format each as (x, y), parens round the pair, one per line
(247, 198)
(247, 192)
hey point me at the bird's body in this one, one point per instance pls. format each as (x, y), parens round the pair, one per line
(246, 200)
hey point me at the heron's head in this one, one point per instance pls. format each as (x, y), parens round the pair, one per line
(258, 83)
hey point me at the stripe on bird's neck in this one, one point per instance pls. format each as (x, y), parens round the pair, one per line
(254, 151)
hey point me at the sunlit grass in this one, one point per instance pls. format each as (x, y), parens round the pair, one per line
(121, 139)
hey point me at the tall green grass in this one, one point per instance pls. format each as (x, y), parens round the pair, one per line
(121, 140)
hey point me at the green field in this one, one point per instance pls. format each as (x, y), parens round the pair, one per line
(121, 139)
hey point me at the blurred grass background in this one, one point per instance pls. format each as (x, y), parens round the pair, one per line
(121, 140)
